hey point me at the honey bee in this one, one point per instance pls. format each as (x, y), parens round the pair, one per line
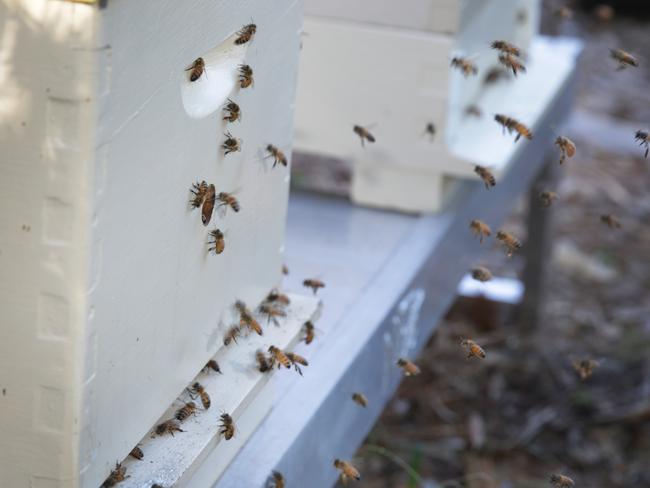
(430, 129)
(246, 318)
(512, 63)
(277, 480)
(585, 367)
(567, 147)
(227, 426)
(643, 136)
(275, 296)
(314, 284)
(623, 58)
(347, 470)
(245, 76)
(117, 475)
(277, 155)
(197, 69)
(231, 335)
(473, 349)
(278, 355)
(168, 427)
(296, 360)
(185, 411)
(272, 312)
(561, 481)
(547, 198)
(474, 110)
(285, 269)
(228, 200)
(198, 389)
(410, 369)
(232, 110)
(495, 74)
(486, 175)
(137, 453)
(611, 221)
(513, 125)
(482, 274)
(564, 12)
(213, 365)
(509, 242)
(364, 134)
(309, 332)
(231, 144)
(506, 47)
(263, 365)
(198, 191)
(208, 205)
(246, 34)
(466, 65)
(480, 229)
(360, 399)
(218, 242)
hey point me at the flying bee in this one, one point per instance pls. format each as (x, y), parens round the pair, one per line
(277, 155)
(208, 205)
(296, 360)
(168, 427)
(277, 480)
(285, 269)
(513, 125)
(197, 69)
(213, 365)
(364, 134)
(246, 34)
(623, 58)
(246, 318)
(272, 312)
(347, 471)
(231, 144)
(561, 481)
(117, 475)
(314, 284)
(198, 191)
(410, 369)
(275, 296)
(567, 147)
(482, 274)
(480, 229)
(430, 130)
(585, 367)
(218, 242)
(231, 335)
(309, 332)
(137, 453)
(185, 411)
(245, 76)
(611, 221)
(506, 47)
(263, 364)
(278, 355)
(474, 110)
(547, 198)
(509, 242)
(512, 63)
(466, 65)
(486, 175)
(233, 113)
(473, 349)
(198, 389)
(495, 74)
(228, 200)
(643, 136)
(360, 399)
(227, 426)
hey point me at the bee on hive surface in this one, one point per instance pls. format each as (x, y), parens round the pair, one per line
(506, 47)
(185, 411)
(567, 148)
(547, 198)
(168, 427)
(228, 200)
(246, 318)
(643, 137)
(611, 221)
(198, 191)
(513, 125)
(227, 426)
(509, 242)
(482, 274)
(296, 360)
(217, 242)
(272, 312)
(245, 76)
(198, 389)
(430, 130)
(246, 34)
(277, 155)
(275, 296)
(364, 134)
(277, 480)
(314, 284)
(137, 453)
(231, 335)
(231, 144)
(156, 485)
(512, 63)
(212, 365)
(309, 332)
(561, 481)
(347, 471)
(278, 355)
(466, 65)
(360, 399)
(117, 475)
(410, 369)
(585, 367)
(473, 349)
(263, 364)
(208, 205)
(474, 111)
(623, 58)
(197, 69)
(486, 175)
(480, 229)
(233, 113)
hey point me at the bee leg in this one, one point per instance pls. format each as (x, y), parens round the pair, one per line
(646, 151)
(298, 369)
(518, 137)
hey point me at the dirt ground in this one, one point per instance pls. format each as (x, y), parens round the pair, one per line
(523, 413)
